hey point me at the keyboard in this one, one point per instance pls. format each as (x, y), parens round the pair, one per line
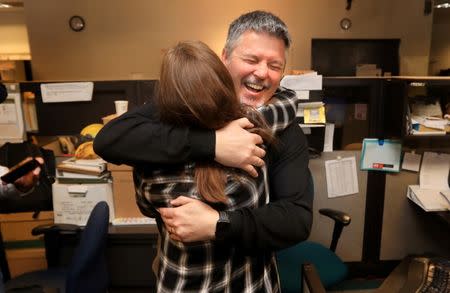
(428, 275)
(133, 221)
(437, 276)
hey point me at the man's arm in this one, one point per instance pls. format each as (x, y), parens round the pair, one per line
(138, 137)
(283, 222)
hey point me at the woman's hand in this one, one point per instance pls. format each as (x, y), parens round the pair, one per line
(190, 220)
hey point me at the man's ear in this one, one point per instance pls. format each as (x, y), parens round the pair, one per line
(224, 56)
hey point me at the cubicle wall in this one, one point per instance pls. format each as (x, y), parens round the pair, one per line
(68, 118)
(407, 229)
(350, 245)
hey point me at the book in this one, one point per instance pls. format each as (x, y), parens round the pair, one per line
(98, 163)
(91, 167)
(92, 170)
(101, 179)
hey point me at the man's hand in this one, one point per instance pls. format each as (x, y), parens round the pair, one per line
(236, 147)
(27, 181)
(190, 220)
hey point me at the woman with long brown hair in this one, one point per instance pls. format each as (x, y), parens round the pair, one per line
(196, 90)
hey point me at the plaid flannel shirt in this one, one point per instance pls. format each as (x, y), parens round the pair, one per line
(214, 266)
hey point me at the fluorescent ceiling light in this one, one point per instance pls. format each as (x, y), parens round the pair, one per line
(11, 4)
(442, 4)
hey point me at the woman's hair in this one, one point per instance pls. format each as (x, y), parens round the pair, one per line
(196, 90)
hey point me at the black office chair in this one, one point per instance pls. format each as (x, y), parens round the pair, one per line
(308, 255)
(88, 269)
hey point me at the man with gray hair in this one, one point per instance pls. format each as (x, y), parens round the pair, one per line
(255, 55)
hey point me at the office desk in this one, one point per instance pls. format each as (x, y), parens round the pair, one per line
(445, 217)
(396, 279)
(130, 253)
(442, 217)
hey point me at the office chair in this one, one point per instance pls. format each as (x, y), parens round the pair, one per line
(304, 255)
(88, 269)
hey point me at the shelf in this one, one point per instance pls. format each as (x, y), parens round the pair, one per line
(430, 142)
(430, 137)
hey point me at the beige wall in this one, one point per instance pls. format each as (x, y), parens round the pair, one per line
(440, 41)
(13, 34)
(124, 39)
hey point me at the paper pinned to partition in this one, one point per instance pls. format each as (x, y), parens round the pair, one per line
(341, 177)
(411, 162)
(67, 92)
(328, 139)
(11, 118)
(435, 171)
(8, 113)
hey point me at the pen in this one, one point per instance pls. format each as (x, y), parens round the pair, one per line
(381, 165)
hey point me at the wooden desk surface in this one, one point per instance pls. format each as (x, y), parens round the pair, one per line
(396, 280)
(147, 229)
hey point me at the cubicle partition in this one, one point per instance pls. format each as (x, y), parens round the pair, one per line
(407, 229)
(386, 226)
(68, 118)
(350, 246)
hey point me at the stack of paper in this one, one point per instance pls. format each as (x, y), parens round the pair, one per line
(429, 125)
(433, 192)
(427, 119)
(302, 83)
(428, 199)
(367, 70)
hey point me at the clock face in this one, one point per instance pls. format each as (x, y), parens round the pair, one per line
(346, 23)
(76, 23)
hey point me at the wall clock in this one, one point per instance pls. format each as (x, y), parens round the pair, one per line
(77, 23)
(346, 24)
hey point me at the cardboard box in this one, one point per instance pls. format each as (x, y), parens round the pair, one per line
(18, 226)
(21, 261)
(16, 231)
(73, 203)
(124, 192)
